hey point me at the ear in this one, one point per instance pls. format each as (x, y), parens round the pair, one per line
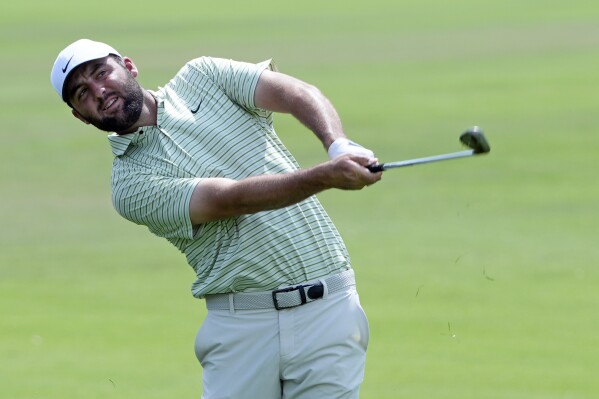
(130, 66)
(80, 117)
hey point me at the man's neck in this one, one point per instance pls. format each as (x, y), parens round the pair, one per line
(149, 114)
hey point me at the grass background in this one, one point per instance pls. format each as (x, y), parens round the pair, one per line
(479, 276)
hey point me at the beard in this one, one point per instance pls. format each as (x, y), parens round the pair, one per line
(132, 106)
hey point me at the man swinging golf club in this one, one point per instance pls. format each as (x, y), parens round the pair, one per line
(198, 162)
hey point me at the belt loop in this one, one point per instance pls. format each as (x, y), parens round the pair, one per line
(231, 304)
(325, 288)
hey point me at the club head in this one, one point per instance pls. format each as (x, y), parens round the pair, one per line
(474, 138)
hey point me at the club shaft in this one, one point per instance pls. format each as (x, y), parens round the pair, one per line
(434, 158)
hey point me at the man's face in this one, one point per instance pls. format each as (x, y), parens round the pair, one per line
(105, 93)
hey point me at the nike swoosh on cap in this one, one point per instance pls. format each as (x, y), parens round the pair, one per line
(64, 70)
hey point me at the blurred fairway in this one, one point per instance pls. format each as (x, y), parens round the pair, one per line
(479, 276)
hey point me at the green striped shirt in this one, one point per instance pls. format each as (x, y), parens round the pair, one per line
(208, 126)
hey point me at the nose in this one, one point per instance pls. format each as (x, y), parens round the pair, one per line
(97, 90)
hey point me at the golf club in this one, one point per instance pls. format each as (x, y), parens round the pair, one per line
(472, 138)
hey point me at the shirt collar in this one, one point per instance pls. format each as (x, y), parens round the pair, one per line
(119, 143)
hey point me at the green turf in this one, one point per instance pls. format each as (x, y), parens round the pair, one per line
(479, 276)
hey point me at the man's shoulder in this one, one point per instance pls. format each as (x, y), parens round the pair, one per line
(205, 63)
(198, 68)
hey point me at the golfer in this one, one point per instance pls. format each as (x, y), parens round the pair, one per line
(198, 162)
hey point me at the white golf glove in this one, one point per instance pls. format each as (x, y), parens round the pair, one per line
(343, 145)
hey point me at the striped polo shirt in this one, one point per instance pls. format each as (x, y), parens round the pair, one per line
(208, 126)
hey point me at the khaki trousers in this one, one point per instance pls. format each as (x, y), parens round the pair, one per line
(313, 351)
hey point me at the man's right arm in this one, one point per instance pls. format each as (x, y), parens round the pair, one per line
(221, 198)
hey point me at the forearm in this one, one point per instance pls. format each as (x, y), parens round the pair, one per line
(282, 93)
(266, 192)
(219, 198)
(319, 115)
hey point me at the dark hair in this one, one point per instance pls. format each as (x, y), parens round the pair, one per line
(118, 59)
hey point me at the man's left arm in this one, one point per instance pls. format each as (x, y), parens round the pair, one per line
(278, 92)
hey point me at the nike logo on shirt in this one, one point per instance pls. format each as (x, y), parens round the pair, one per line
(193, 111)
(64, 70)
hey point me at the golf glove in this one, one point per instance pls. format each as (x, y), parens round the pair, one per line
(343, 145)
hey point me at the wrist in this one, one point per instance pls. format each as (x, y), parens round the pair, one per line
(343, 145)
(337, 146)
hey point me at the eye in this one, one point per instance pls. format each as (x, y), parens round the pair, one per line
(81, 93)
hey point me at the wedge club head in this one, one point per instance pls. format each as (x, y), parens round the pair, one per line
(472, 138)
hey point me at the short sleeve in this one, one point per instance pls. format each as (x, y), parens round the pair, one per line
(238, 80)
(158, 202)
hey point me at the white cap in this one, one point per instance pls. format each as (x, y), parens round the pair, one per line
(72, 56)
